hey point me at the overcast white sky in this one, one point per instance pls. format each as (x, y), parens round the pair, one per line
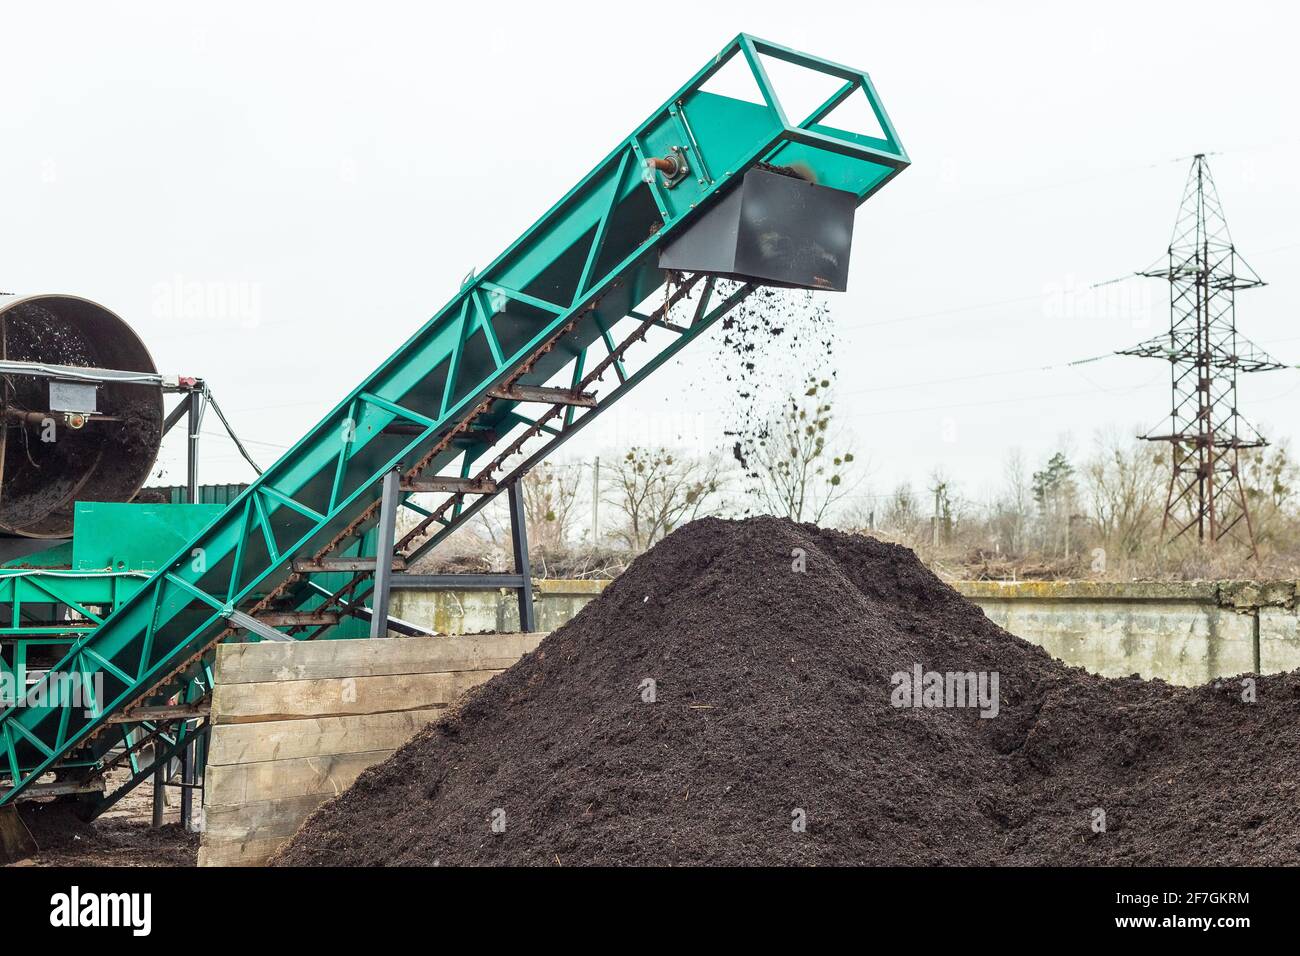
(336, 169)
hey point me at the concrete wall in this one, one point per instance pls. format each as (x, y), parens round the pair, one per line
(477, 612)
(1185, 633)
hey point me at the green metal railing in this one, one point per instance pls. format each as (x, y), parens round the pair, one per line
(55, 608)
(528, 318)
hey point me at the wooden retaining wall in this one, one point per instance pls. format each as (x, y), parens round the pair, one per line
(294, 724)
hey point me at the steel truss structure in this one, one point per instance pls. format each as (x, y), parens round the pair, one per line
(52, 610)
(561, 309)
(1206, 432)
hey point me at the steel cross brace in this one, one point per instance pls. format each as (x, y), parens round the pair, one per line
(701, 320)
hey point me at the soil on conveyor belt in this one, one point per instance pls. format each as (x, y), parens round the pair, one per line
(772, 708)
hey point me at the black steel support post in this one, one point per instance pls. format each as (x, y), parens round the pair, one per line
(194, 421)
(519, 541)
(192, 452)
(201, 741)
(384, 554)
(187, 756)
(159, 783)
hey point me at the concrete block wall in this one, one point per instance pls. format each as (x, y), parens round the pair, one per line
(1279, 638)
(1183, 632)
(478, 612)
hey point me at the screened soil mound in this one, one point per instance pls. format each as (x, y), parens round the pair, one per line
(772, 737)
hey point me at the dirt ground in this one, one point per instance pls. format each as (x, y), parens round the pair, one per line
(121, 837)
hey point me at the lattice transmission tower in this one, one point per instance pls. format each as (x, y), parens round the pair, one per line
(1206, 353)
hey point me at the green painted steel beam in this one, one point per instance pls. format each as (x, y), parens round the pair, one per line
(559, 289)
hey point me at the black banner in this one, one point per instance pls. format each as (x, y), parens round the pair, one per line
(304, 905)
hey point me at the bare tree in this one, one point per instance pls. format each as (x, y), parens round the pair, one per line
(1272, 481)
(550, 499)
(1125, 487)
(790, 460)
(903, 512)
(863, 516)
(550, 494)
(1010, 512)
(653, 491)
(1019, 495)
(945, 507)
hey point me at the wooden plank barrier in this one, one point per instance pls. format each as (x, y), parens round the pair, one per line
(295, 723)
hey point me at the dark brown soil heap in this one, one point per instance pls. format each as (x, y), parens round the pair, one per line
(773, 698)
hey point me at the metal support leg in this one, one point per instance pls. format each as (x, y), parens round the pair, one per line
(159, 785)
(201, 741)
(187, 781)
(519, 541)
(384, 554)
(196, 402)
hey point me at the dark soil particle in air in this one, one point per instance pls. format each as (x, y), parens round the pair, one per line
(771, 706)
(771, 332)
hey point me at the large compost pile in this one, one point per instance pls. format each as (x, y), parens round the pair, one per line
(771, 735)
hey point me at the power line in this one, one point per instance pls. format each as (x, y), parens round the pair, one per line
(1007, 401)
(942, 312)
(982, 375)
(251, 441)
(1095, 177)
